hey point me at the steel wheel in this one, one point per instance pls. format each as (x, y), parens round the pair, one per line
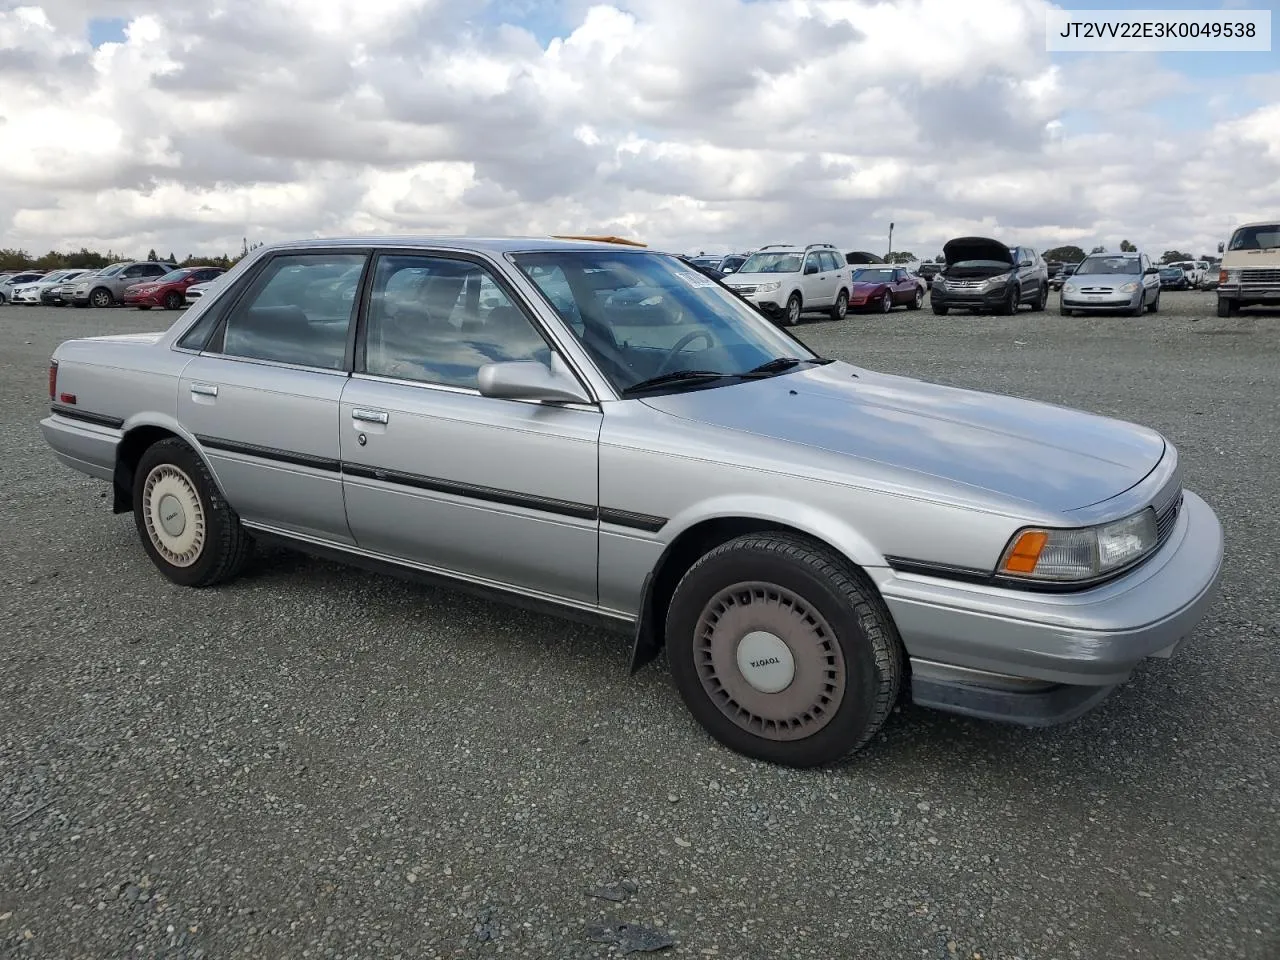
(769, 661)
(173, 515)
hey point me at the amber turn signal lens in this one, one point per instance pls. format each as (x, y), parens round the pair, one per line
(1025, 554)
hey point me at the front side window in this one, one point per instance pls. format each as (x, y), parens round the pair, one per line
(439, 320)
(642, 315)
(298, 310)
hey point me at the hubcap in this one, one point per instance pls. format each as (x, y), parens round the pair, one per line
(769, 661)
(173, 515)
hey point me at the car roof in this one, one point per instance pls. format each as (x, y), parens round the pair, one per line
(488, 245)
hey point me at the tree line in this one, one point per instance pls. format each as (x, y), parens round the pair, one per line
(84, 258)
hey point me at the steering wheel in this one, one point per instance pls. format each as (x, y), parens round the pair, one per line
(683, 342)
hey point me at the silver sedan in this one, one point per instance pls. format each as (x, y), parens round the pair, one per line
(605, 432)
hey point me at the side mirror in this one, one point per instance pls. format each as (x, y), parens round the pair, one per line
(1024, 263)
(728, 270)
(531, 380)
(1221, 246)
(811, 268)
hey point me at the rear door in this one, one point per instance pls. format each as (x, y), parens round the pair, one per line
(500, 492)
(262, 396)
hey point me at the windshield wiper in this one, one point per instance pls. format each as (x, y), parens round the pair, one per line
(779, 364)
(678, 376)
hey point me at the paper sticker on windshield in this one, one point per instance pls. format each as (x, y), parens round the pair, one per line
(695, 279)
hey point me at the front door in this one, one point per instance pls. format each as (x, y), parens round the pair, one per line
(501, 492)
(819, 282)
(262, 399)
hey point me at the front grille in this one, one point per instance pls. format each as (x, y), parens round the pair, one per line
(964, 284)
(745, 290)
(1167, 517)
(1103, 290)
(1260, 276)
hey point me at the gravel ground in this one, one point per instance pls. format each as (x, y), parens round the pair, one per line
(317, 762)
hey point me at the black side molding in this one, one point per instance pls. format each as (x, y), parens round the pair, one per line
(269, 453)
(86, 416)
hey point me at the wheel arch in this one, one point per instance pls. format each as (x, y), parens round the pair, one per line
(698, 536)
(141, 433)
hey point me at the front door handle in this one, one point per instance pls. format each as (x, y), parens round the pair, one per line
(369, 416)
(204, 390)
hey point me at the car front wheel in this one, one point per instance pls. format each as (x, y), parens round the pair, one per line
(886, 302)
(190, 533)
(173, 301)
(842, 306)
(792, 316)
(101, 297)
(782, 651)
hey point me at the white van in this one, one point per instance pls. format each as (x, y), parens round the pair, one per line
(1249, 274)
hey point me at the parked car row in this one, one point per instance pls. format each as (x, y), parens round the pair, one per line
(143, 284)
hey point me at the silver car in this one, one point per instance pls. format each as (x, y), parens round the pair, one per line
(603, 431)
(107, 286)
(1111, 283)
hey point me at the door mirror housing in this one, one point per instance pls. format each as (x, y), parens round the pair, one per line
(1221, 246)
(531, 380)
(811, 268)
(1024, 263)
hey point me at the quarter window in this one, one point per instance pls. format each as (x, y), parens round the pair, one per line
(297, 310)
(439, 320)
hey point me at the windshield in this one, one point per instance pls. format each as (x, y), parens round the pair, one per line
(1098, 266)
(772, 263)
(1169, 271)
(1263, 237)
(641, 315)
(112, 270)
(873, 276)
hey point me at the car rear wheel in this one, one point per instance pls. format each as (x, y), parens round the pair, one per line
(886, 302)
(173, 301)
(792, 316)
(783, 651)
(101, 297)
(841, 308)
(190, 533)
(1042, 299)
(918, 302)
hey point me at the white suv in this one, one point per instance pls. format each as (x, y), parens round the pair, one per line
(784, 281)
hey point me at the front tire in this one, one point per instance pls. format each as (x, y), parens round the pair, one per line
(101, 298)
(173, 301)
(1010, 305)
(1226, 307)
(782, 651)
(841, 308)
(792, 315)
(886, 302)
(188, 530)
(143, 307)
(940, 310)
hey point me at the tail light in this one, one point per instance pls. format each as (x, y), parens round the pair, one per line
(53, 379)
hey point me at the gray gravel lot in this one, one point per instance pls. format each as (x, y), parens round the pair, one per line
(319, 762)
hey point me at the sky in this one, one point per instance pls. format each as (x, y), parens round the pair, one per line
(713, 125)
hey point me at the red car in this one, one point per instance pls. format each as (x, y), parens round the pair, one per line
(883, 288)
(168, 291)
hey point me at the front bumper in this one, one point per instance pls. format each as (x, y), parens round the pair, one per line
(968, 298)
(1101, 302)
(141, 300)
(1092, 638)
(25, 297)
(1250, 292)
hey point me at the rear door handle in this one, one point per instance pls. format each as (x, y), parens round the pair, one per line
(369, 416)
(204, 389)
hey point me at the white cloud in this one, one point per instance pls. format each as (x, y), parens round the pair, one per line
(703, 125)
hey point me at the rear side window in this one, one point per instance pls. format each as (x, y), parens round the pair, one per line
(298, 310)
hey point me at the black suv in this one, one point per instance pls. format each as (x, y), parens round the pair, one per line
(985, 274)
(928, 271)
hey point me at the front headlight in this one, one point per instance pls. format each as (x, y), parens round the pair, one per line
(940, 281)
(1129, 287)
(1229, 276)
(997, 281)
(1083, 554)
(769, 287)
(1069, 287)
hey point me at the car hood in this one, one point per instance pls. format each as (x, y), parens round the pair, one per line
(1052, 457)
(976, 248)
(869, 284)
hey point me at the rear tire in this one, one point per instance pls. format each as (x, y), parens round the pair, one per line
(918, 302)
(828, 662)
(1154, 305)
(1041, 301)
(189, 531)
